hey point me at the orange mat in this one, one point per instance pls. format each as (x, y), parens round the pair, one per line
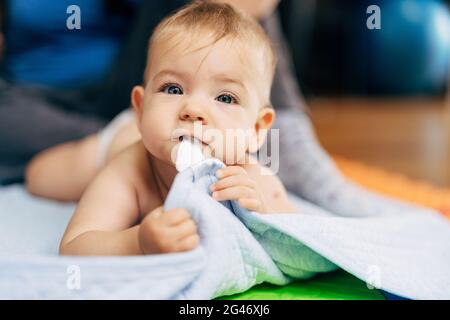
(396, 185)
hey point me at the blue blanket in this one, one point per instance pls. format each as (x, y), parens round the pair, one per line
(407, 254)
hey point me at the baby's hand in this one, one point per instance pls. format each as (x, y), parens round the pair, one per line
(235, 184)
(170, 231)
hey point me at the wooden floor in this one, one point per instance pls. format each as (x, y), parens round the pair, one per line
(408, 136)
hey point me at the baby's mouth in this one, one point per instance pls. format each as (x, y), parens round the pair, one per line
(187, 137)
(188, 152)
(193, 140)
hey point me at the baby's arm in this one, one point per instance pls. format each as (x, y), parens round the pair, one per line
(62, 172)
(105, 220)
(107, 217)
(255, 188)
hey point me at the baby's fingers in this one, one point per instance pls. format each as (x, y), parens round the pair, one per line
(234, 193)
(231, 181)
(188, 243)
(230, 171)
(176, 216)
(184, 229)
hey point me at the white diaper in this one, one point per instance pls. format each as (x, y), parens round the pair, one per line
(106, 135)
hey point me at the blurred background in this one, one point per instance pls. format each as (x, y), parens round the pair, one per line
(379, 96)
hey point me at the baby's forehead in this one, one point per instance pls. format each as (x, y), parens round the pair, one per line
(232, 57)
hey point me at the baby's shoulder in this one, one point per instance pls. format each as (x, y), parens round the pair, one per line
(131, 163)
(128, 172)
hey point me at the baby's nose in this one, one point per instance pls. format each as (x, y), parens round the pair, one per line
(187, 116)
(193, 114)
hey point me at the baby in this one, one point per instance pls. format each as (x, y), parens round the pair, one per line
(210, 68)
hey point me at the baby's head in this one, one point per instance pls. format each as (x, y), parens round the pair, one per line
(209, 72)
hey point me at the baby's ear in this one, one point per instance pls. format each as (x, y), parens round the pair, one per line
(137, 101)
(264, 121)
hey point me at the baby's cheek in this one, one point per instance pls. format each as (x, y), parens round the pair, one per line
(231, 149)
(153, 135)
(148, 129)
(154, 122)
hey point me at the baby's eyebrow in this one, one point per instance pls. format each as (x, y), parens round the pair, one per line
(226, 78)
(172, 73)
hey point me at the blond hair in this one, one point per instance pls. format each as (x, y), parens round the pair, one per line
(212, 21)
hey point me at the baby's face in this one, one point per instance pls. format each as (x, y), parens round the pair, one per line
(215, 94)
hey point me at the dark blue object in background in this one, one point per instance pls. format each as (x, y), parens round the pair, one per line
(410, 53)
(42, 50)
(336, 54)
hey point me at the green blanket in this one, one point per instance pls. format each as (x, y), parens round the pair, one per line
(338, 285)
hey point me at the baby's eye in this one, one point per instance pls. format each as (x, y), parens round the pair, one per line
(172, 89)
(226, 98)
